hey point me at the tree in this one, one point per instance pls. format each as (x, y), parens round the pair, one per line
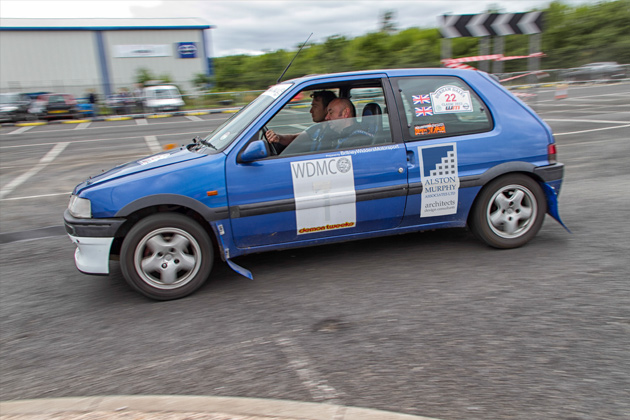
(143, 75)
(202, 80)
(388, 25)
(572, 36)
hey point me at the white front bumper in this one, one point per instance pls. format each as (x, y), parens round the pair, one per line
(92, 254)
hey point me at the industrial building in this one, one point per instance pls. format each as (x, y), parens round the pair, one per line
(103, 55)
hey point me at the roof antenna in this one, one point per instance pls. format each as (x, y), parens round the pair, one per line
(296, 54)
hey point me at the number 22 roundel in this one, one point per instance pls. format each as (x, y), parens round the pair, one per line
(451, 99)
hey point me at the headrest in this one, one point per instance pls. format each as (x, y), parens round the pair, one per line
(372, 109)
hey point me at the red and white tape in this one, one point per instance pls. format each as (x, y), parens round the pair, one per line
(456, 63)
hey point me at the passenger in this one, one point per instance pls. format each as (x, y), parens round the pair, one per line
(342, 116)
(319, 104)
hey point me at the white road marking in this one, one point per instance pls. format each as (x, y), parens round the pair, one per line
(82, 126)
(587, 121)
(43, 162)
(318, 387)
(103, 140)
(591, 130)
(194, 118)
(29, 197)
(142, 121)
(300, 126)
(293, 111)
(21, 130)
(153, 144)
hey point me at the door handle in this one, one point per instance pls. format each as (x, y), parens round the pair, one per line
(411, 159)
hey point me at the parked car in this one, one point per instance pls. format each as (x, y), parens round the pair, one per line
(162, 98)
(14, 107)
(427, 149)
(595, 71)
(55, 105)
(120, 104)
(86, 109)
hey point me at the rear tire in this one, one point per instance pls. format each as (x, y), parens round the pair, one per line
(509, 211)
(166, 256)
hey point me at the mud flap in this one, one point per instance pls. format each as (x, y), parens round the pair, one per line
(240, 270)
(552, 204)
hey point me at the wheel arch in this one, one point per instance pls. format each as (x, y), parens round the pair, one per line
(509, 168)
(166, 203)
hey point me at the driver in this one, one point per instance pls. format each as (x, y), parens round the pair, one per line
(319, 105)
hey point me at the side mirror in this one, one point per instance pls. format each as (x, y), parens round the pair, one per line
(254, 151)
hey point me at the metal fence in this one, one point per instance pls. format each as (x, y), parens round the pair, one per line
(528, 85)
(523, 84)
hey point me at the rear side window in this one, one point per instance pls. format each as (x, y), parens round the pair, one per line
(440, 107)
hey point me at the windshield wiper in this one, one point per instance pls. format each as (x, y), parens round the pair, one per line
(199, 140)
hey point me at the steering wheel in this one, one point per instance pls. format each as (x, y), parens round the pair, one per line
(270, 146)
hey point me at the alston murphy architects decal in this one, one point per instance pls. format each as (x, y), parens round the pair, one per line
(440, 180)
(325, 198)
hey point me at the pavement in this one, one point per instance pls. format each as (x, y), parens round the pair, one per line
(163, 407)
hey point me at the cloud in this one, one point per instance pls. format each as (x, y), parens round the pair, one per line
(254, 27)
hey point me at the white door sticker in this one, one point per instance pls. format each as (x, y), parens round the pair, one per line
(325, 198)
(440, 180)
(450, 99)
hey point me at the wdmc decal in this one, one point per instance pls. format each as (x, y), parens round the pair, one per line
(325, 198)
(440, 180)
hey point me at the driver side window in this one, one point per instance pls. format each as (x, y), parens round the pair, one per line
(332, 118)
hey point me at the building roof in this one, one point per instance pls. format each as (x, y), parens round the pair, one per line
(100, 24)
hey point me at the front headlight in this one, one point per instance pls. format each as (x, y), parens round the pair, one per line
(80, 208)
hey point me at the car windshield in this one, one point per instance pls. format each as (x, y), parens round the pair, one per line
(8, 98)
(229, 130)
(165, 94)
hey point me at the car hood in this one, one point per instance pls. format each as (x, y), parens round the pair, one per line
(145, 164)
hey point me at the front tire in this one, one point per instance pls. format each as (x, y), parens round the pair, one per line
(166, 256)
(509, 211)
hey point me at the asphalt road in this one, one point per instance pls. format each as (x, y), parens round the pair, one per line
(433, 324)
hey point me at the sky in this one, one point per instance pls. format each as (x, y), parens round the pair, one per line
(255, 27)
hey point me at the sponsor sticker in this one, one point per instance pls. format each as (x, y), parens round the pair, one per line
(427, 129)
(451, 99)
(276, 90)
(153, 159)
(440, 180)
(325, 198)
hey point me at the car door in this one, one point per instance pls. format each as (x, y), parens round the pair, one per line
(309, 195)
(447, 132)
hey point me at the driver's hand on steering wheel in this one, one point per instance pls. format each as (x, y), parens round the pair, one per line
(272, 137)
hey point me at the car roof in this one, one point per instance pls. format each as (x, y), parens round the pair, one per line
(432, 71)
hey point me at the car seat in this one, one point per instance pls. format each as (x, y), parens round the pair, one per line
(372, 118)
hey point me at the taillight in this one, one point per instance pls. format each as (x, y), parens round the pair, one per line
(551, 153)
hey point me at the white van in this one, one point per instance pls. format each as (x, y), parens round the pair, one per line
(162, 98)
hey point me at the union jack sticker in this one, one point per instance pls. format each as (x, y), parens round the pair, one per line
(421, 99)
(424, 111)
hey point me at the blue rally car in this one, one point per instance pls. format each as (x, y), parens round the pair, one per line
(360, 155)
